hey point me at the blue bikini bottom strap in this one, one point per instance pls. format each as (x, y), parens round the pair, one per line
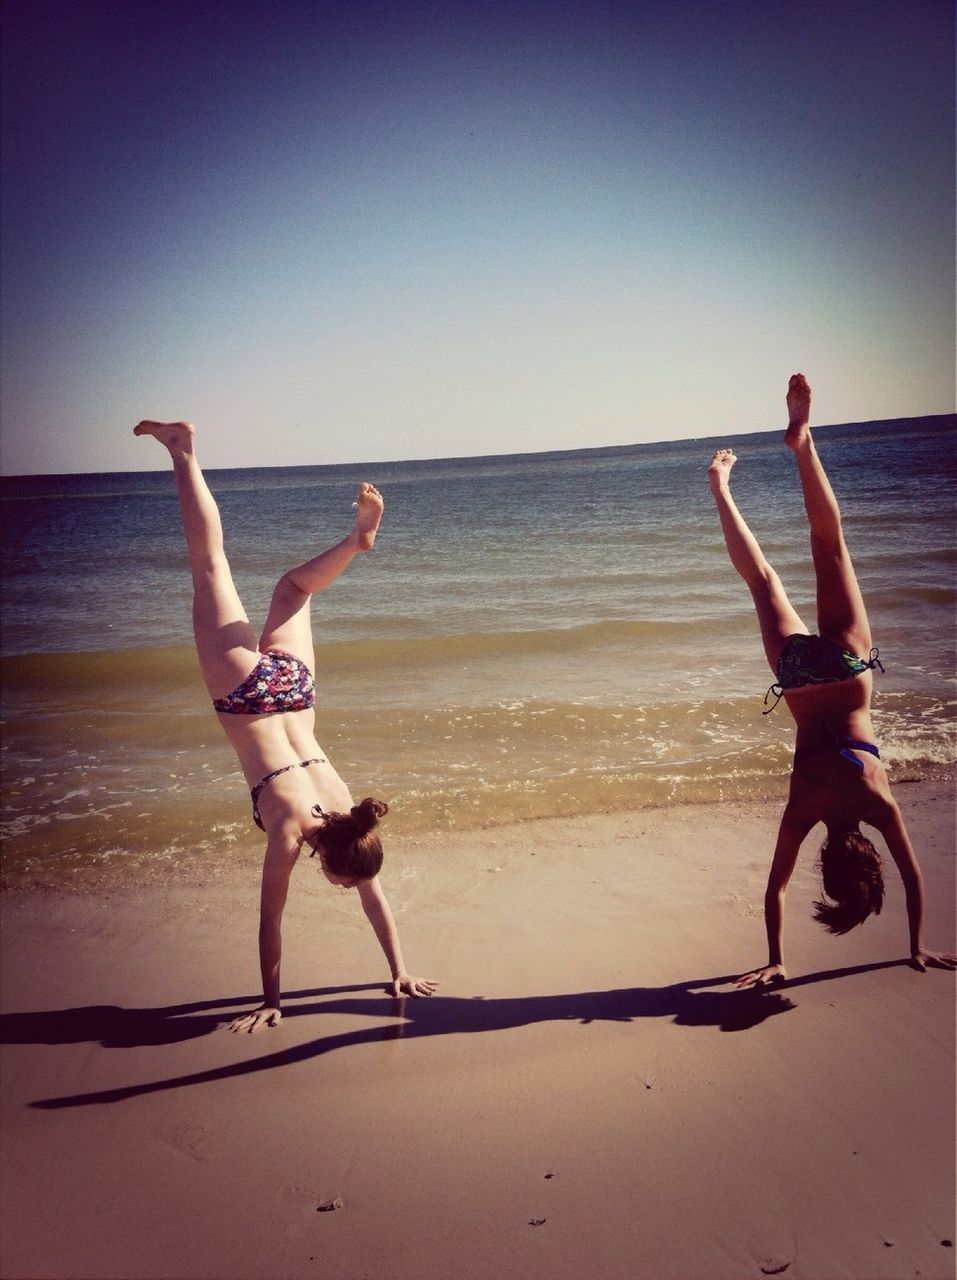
(855, 745)
(844, 747)
(850, 745)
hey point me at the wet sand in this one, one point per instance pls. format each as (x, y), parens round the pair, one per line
(588, 1096)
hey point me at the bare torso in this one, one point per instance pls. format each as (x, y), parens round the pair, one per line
(828, 788)
(266, 743)
(825, 786)
(824, 712)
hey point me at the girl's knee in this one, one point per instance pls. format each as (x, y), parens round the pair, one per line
(287, 588)
(828, 544)
(763, 581)
(210, 569)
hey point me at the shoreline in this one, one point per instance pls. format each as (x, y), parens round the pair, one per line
(587, 1095)
(241, 850)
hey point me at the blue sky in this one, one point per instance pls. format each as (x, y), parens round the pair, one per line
(353, 231)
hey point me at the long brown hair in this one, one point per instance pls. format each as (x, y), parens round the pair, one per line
(853, 881)
(349, 843)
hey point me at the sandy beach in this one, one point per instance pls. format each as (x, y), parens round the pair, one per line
(588, 1096)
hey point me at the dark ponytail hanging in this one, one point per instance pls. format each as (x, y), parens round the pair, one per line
(853, 883)
(349, 842)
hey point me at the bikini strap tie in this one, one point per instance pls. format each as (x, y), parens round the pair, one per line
(873, 660)
(778, 693)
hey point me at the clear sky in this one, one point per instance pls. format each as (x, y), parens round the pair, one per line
(346, 230)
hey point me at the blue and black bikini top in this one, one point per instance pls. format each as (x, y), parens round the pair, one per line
(811, 659)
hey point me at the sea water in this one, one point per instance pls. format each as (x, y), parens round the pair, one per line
(534, 635)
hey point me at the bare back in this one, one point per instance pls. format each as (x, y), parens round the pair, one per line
(266, 743)
(826, 787)
(826, 712)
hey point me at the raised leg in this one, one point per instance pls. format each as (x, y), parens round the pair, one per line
(288, 625)
(841, 615)
(777, 617)
(225, 641)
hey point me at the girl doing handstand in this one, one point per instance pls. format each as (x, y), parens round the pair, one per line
(263, 692)
(837, 777)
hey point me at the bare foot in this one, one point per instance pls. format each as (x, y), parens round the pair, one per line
(370, 505)
(720, 468)
(799, 411)
(177, 436)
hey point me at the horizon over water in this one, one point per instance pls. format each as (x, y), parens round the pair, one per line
(535, 635)
(11, 480)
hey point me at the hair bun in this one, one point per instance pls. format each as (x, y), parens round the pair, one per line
(367, 813)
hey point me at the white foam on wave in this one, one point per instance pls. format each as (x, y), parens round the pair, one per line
(70, 795)
(22, 823)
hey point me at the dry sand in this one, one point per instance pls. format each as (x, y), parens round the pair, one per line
(587, 1097)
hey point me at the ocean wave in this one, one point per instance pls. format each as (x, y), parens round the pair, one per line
(164, 787)
(909, 594)
(156, 669)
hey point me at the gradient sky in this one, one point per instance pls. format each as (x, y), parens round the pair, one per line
(332, 232)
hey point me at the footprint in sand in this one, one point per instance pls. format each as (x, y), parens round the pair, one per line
(776, 1261)
(773, 1266)
(302, 1201)
(647, 1079)
(305, 1198)
(191, 1140)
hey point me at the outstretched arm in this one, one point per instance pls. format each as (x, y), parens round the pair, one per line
(791, 833)
(282, 850)
(891, 826)
(379, 914)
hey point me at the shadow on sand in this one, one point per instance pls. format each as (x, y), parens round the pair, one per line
(688, 1004)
